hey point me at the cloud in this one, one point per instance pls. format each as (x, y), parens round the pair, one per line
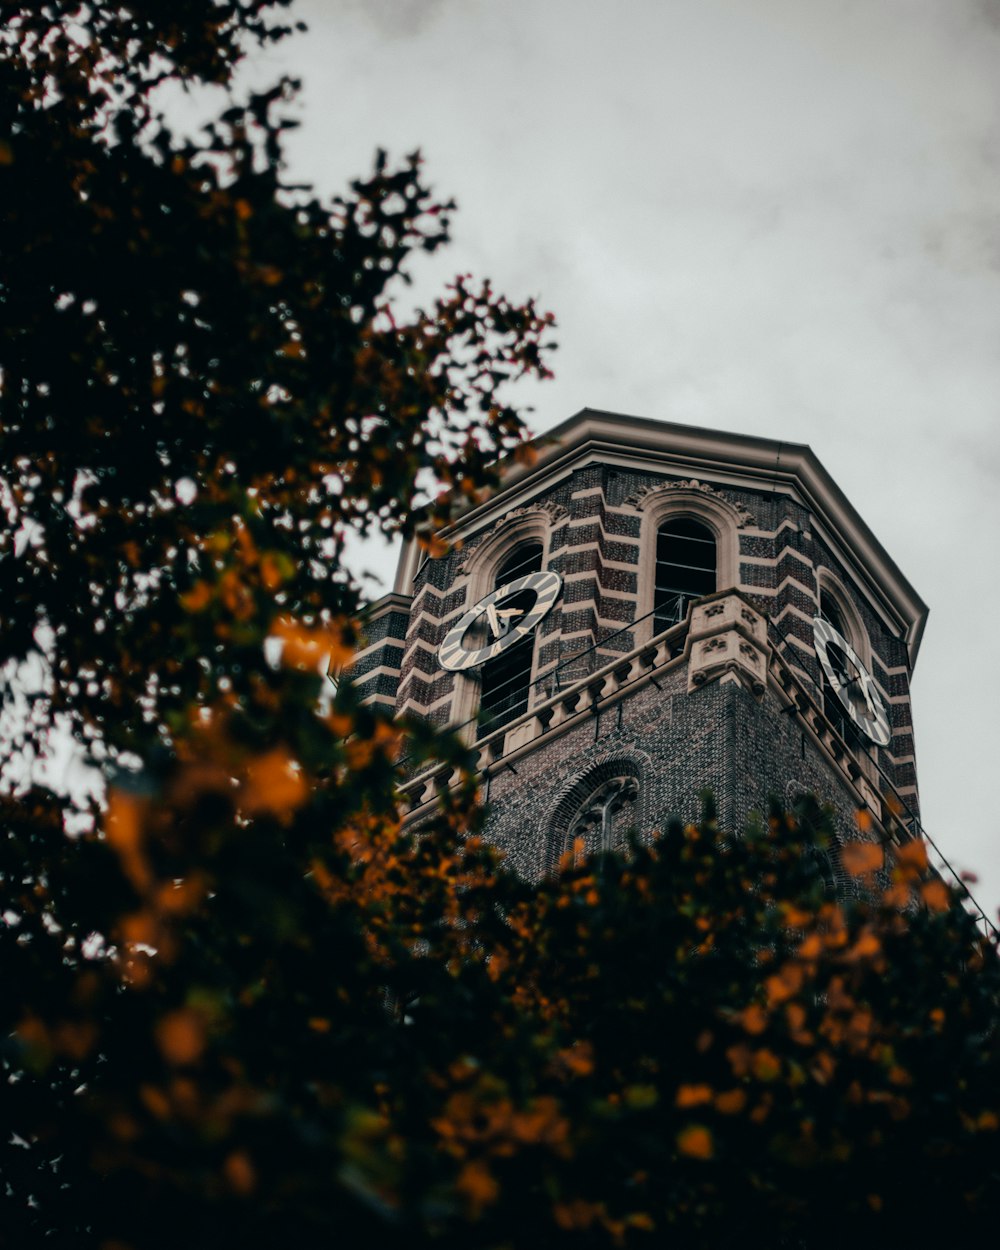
(391, 19)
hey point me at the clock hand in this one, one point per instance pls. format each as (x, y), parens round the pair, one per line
(491, 616)
(504, 616)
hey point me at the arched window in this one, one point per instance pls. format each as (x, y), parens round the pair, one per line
(832, 706)
(685, 568)
(506, 681)
(597, 809)
(605, 817)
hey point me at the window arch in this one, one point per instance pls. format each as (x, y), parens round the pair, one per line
(680, 526)
(505, 682)
(686, 569)
(605, 817)
(597, 809)
(485, 559)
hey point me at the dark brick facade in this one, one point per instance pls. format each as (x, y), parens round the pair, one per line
(717, 738)
(673, 739)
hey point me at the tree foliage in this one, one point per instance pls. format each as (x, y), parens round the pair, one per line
(247, 1007)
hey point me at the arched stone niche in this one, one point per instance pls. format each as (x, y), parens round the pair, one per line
(598, 805)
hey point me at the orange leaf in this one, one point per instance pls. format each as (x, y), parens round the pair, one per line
(811, 948)
(783, 984)
(935, 894)
(155, 1101)
(197, 598)
(75, 1038)
(271, 572)
(765, 1065)
(896, 896)
(867, 945)
(796, 1015)
(477, 1185)
(913, 855)
(575, 1214)
(180, 1036)
(433, 544)
(577, 1059)
(693, 1095)
(730, 1102)
(33, 1033)
(525, 454)
(754, 1018)
(739, 1059)
(861, 859)
(274, 785)
(696, 1142)
(123, 830)
(240, 1173)
(305, 648)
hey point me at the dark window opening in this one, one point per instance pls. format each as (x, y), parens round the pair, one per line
(605, 820)
(685, 569)
(506, 681)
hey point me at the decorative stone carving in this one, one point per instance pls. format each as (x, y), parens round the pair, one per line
(728, 611)
(728, 636)
(556, 513)
(520, 735)
(645, 495)
(871, 796)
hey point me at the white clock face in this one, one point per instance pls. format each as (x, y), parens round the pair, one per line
(499, 620)
(858, 694)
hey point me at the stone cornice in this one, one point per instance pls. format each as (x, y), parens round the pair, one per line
(393, 601)
(649, 494)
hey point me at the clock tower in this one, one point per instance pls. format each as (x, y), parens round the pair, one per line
(648, 610)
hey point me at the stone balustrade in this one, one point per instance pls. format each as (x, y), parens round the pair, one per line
(724, 638)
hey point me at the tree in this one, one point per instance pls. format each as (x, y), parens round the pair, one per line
(205, 386)
(246, 1006)
(695, 1041)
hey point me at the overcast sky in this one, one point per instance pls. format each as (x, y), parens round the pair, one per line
(765, 216)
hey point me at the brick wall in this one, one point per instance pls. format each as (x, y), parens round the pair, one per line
(719, 736)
